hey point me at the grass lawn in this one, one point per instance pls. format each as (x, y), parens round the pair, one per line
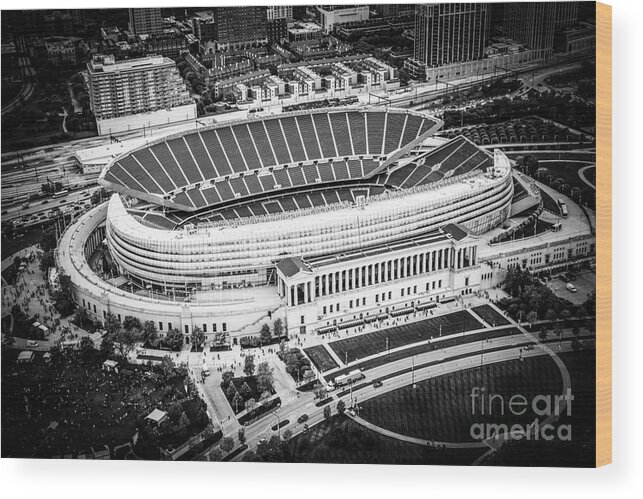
(321, 358)
(581, 450)
(490, 315)
(368, 344)
(340, 440)
(449, 342)
(550, 203)
(441, 408)
(569, 173)
(92, 407)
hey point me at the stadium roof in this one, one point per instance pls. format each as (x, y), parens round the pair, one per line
(457, 231)
(292, 266)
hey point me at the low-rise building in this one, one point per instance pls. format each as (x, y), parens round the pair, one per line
(60, 50)
(575, 38)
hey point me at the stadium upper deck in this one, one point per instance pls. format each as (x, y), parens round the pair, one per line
(227, 162)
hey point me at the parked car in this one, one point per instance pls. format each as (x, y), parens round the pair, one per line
(377, 384)
(303, 418)
(564, 278)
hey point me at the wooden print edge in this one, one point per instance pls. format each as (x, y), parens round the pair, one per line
(604, 234)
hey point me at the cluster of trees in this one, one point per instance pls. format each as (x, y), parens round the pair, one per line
(531, 300)
(245, 396)
(63, 296)
(266, 336)
(297, 364)
(120, 338)
(562, 108)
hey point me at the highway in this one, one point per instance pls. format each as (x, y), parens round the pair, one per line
(37, 208)
(511, 348)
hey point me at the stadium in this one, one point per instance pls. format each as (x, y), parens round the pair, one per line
(314, 216)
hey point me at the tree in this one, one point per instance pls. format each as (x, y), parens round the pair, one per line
(265, 333)
(226, 378)
(231, 391)
(287, 435)
(8, 342)
(131, 323)
(550, 315)
(174, 412)
(81, 316)
(250, 404)
(227, 444)
(198, 337)
(168, 368)
(107, 346)
(216, 454)
(63, 296)
(265, 378)
(341, 407)
(125, 339)
(149, 333)
(327, 412)
(282, 349)
(47, 260)
(48, 240)
(320, 392)
(57, 355)
(249, 365)
(532, 317)
(237, 401)
(86, 348)
(111, 324)
(174, 339)
(245, 391)
(241, 434)
(278, 328)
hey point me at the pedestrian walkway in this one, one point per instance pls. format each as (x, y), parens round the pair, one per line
(414, 440)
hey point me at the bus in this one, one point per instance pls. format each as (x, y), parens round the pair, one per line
(348, 378)
(61, 194)
(563, 208)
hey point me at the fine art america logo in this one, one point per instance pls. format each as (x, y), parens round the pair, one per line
(546, 409)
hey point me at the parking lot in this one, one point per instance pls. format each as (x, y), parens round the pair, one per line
(585, 283)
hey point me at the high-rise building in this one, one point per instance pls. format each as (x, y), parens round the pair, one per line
(449, 32)
(277, 30)
(281, 12)
(145, 21)
(125, 88)
(239, 27)
(535, 23)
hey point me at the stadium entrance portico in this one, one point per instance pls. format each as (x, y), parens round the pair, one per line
(335, 290)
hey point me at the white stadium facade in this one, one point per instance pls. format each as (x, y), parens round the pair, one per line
(326, 218)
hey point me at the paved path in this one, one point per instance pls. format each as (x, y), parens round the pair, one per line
(415, 440)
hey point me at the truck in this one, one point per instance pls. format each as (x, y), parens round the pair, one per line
(348, 378)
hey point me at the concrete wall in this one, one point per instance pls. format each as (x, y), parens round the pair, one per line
(153, 118)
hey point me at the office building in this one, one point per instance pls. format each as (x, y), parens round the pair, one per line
(238, 28)
(145, 21)
(449, 32)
